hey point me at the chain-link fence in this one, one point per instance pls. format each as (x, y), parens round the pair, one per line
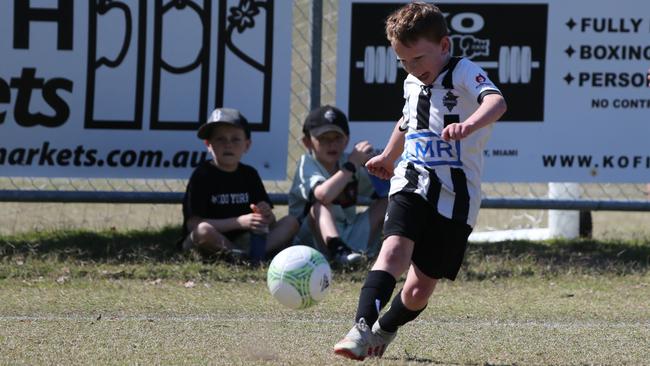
(38, 203)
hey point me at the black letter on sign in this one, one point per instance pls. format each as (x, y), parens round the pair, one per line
(5, 97)
(62, 15)
(26, 85)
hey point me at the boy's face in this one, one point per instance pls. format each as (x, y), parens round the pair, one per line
(423, 58)
(227, 144)
(328, 147)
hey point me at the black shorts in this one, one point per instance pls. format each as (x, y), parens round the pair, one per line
(440, 242)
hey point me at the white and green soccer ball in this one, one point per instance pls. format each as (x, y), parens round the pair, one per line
(299, 277)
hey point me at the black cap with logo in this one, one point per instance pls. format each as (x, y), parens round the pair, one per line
(228, 116)
(325, 119)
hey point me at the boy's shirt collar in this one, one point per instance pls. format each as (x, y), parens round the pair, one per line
(212, 165)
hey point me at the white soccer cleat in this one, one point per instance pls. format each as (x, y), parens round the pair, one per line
(355, 344)
(379, 341)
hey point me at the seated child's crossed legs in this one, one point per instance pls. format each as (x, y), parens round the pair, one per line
(323, 223)
(208, 240)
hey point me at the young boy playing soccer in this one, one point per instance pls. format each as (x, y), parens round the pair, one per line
(435, 190)
(326, 186)
(225, 199)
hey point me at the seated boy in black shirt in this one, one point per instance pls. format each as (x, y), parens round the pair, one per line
(225, 200)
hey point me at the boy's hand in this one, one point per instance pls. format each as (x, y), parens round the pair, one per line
(264, 209)
(456, 131)
(361, 153)
(253, 221)
(381, 166)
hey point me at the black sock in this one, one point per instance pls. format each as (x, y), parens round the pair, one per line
(334, 244)
(397, 315)
(375, 294)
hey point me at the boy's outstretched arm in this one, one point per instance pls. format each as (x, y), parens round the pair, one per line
(383, 164)
(492, 108)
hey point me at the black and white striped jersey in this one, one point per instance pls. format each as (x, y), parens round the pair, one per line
(447, 174)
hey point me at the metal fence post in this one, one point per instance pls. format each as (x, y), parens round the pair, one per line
(316, 52)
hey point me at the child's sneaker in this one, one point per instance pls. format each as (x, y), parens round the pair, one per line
(379, 341)
(355, 344)
(344, 256)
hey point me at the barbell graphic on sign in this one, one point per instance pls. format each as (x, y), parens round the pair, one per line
(514, 65)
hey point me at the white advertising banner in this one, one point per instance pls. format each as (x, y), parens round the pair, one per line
(573, 74)
(118, 88)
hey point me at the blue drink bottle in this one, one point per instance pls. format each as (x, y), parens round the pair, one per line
(257, 248)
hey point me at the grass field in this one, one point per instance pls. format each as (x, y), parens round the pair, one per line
(115, 298)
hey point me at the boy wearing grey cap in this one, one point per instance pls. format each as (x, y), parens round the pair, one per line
(225, 201)
(326, 186)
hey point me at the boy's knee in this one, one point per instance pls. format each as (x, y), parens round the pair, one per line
(288, 225)
(204, 232)
(394, 256)
(292, 223)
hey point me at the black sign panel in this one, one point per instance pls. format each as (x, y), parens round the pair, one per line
(507, 40)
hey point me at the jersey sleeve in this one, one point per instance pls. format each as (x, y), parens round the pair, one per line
(258, 192)
(475, 80)
(309, 176)
(405, 109)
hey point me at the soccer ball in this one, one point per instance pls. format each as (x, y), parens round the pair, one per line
(299, 277)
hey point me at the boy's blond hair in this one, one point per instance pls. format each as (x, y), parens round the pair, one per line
(414, 21)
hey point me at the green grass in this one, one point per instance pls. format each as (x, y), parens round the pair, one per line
(124, 297)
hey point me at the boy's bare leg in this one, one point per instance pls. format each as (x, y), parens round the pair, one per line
(377, 212)
(281, 234)
(395, 255)
(208, 240)
(417, 289)
(324, 223)
(327, 236)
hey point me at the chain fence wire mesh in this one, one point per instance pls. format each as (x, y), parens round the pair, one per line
(20, 217)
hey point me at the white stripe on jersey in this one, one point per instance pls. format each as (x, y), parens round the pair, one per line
(447, 174)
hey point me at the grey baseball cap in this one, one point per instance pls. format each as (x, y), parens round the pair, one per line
(227, 116)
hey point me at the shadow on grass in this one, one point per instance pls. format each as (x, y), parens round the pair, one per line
(103, 247)
(482, 262)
